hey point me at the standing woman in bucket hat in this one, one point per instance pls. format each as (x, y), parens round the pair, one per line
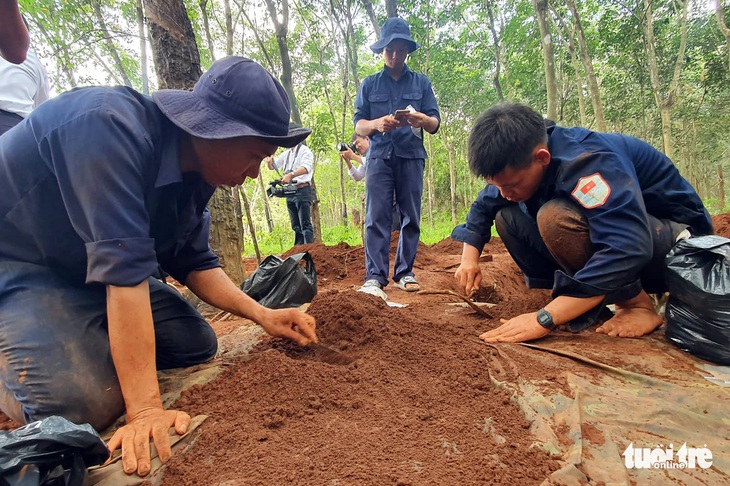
(99, 187)
(397, 156)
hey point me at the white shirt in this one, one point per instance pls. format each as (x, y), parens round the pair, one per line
(292, 159)
(358, 173)
(23, 86)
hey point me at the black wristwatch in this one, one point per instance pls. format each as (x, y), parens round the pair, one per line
(545, 319)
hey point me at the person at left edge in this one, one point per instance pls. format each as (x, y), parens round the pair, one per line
(14, 36)
(98, 187)
(24, 86)
(297, 165)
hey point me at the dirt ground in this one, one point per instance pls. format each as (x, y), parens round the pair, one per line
(422, 401)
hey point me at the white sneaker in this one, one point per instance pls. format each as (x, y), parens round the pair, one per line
(373, 287)
(408, 283)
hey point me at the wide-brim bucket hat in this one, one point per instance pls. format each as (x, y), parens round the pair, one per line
(236, 97)
(393, 29)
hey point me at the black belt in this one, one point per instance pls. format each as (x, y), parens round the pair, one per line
(303, 184)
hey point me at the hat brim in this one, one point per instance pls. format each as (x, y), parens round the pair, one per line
(188, 112)
(378, 47)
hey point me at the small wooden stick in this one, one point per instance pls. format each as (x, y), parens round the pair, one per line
(465, 299)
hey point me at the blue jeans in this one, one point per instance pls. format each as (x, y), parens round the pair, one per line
(404, 177)
(300, 209)
(54, 345)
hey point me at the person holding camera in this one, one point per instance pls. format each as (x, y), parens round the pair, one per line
(355, 151)
(297, 166)
(397, 157)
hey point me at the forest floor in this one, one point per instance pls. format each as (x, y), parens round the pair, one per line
(424, 401)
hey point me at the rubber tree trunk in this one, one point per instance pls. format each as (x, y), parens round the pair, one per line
(721, 186)
(585, 57)
(142, 47)
(452, 173)
(111, 47)
(249, 219)
(548, 55)
(664, 97)
(267, 207)
(225, 233)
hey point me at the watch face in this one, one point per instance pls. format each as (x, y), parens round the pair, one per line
(544, 318)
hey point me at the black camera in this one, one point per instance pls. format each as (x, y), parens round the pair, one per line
(341, 147)
(278, 189)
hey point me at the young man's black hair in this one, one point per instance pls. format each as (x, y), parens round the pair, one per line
(504, 136)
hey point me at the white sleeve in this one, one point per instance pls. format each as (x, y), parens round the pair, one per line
(44, 88)
(280, 160)
(306, 158)
(357, 173)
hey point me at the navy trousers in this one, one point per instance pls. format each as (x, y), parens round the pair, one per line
(404, 177)
(55, 357)
(562, 242)
(300, 215)
(8, 120)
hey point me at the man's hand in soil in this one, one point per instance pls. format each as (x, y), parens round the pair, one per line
(134, 438)
(518, 329)
(214, 287)
(469, 275)
(291, 324)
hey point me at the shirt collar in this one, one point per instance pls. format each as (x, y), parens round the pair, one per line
(169, 172)
(406, 71)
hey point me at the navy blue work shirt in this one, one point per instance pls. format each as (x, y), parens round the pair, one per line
(616, 179)
(91, 186)
(381, 95)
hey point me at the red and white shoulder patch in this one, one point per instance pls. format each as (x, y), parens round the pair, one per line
(591, 191)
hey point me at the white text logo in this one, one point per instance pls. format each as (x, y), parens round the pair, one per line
(667, 458)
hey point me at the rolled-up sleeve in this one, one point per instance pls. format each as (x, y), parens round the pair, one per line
(306, 159)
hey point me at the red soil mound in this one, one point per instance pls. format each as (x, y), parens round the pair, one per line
(417, 407)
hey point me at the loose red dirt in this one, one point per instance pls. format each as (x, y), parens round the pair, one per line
(419, 403)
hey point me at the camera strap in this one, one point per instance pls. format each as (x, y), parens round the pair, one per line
(287, 167)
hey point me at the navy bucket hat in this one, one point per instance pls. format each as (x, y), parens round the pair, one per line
(236, 97)
(393, 29)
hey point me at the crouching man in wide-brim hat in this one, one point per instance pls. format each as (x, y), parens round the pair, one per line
(100, 190)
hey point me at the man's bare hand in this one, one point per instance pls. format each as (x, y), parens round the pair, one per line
(468, 277)
(134, 438)
(269, 162)
(387, 123)
(518, 329)
(291, 324)
(415, 119)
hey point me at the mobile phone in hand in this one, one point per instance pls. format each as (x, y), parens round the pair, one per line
(400, 114)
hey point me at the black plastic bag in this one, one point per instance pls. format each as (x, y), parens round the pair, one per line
(278, 283)
(49, 452)
(698, 310)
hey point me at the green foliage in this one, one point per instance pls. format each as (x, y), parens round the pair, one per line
(457, 53)
(441, 229)
(274, 243)
(335, 234)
